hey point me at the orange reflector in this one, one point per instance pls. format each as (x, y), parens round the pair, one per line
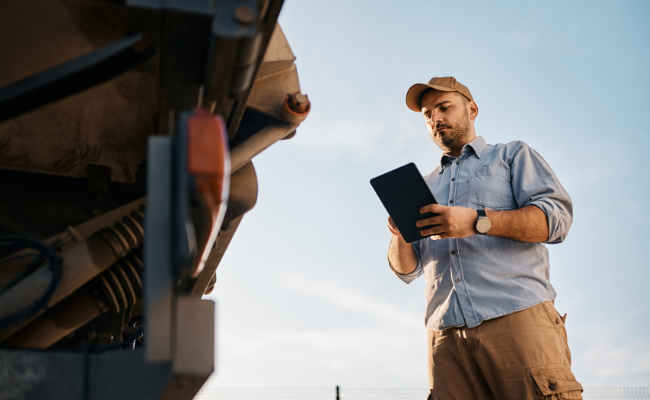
(208, 162)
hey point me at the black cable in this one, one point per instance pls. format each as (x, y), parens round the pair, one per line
(45, 253)
(31, 267)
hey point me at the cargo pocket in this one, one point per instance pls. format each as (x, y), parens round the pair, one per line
(555, 382)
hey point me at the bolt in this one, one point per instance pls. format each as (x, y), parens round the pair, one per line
(298, 102)
(91, 334)
(110, 336)
(301, 98)
(96, 212)
(244, 15)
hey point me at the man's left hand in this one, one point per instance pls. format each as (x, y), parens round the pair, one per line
(452, 222)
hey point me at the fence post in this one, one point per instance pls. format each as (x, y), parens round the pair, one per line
(337, 394)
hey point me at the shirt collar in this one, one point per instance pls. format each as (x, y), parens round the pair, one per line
(446, 160)
(477, 145)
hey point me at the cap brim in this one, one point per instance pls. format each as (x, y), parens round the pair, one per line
(414, 94)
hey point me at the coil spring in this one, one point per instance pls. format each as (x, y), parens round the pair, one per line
(121, 284)
(125, 235)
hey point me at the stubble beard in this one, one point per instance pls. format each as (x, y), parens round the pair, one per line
(457, 138)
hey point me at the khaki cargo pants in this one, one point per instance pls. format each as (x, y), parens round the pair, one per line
(520, 356)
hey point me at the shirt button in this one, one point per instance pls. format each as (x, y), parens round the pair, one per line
(457, 162)
(451, 201)
(453, 179)
(453, 252)
(552, 386)
(458, 280)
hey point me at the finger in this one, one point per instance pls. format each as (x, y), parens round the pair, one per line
(439, 237)
(436, 230)
(392, 227)
(434, 208)
(439, 220)
(394, 230)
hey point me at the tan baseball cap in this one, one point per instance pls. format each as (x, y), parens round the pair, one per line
(445, 84)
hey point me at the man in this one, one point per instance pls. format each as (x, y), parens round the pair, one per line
(493, 331)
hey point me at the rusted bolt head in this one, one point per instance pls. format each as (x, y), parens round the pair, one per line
(295, 108)
(298, 102)
(245, 15)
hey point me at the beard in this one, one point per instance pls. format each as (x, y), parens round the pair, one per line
(455, 139)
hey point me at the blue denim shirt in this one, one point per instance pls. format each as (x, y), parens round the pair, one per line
(481, 277)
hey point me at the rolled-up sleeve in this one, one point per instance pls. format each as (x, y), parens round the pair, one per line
(408, 278)
(535, 183)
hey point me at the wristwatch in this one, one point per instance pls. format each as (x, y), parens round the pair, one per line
(482, 224)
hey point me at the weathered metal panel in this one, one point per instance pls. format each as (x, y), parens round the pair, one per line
(194, 337)
(32, 375)
(125, 375)
(105, 125)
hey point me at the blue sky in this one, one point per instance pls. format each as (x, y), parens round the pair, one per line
(304, 294)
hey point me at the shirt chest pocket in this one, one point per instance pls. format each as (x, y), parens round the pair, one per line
(491, 188)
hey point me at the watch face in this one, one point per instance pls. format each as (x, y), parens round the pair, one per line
(483, 225)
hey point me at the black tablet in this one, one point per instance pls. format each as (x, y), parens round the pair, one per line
(403, 192)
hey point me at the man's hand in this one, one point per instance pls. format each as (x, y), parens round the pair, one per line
(393, 228)
(452, 222)
(401, 256)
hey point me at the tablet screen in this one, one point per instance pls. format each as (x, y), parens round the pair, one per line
(403, 192)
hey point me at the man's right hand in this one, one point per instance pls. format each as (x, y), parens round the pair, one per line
(393, 228)
(401, 256)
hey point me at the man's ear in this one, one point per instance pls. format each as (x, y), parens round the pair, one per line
(472, 109)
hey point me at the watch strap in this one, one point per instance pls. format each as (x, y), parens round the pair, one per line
(482, 215)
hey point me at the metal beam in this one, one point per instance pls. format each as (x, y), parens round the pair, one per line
(245, 151)
(270, 19)
(73, 76)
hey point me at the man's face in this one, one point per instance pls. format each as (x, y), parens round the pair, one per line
(447, 115)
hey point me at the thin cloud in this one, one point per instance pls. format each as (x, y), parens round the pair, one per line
(350, 299)
(606, 356)
(376, 137)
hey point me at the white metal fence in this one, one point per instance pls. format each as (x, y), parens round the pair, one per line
(590, 393)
